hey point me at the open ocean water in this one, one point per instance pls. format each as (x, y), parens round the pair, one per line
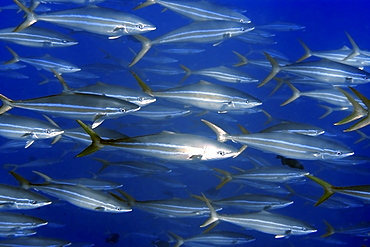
(325, 24)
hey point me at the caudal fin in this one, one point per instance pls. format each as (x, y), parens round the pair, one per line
(95, 138)
(144, 4)
(224, 180)
(213, 214)
(31, 17)
(187, 73)
(328, 189)
(296, 94)
(275, 69)
(146, 45)
(6, 104)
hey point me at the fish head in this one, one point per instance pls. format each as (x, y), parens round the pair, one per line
(336, 153)
(113, 112)
(31, 203)
(143, 100)
(47, 133)
(137, 27)
(67, 69)
(242, 103)
(241, 29)
(301, 230)
(218, 151)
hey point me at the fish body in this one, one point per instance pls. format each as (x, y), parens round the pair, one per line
(295, 127)
(199, 10)
(207, 96)
(198, 32)
(12, 197)
(34, 242)
(165, 145)
(326, 71)
(75, 106)
(45, 62)
(98, 20)
(30, 129)
(263, 221)
(37, 37)
(19, 221)
(289, 145)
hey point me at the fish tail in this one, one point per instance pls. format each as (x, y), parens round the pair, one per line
(213, 214)
(275, 69)
(24, 183)
(328, 189)
(95, 138)
(329, 230)
(358, 110)
(145, 4)
(365, 121)
(105, 164)
(6, 104)
(308, 52)
(65, 86)
(328, 111)
(31, 17)
(15, 56)
(222, 136)
(44, 176)
(187, 73)
(146, 45)
(296, 94)
(355, 49)
(143, 85)
(224, 180)
(242, 59)
(179, 240)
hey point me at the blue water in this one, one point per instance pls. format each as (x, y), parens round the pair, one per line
(325, 26)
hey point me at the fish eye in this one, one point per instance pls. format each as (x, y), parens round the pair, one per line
(140, 99)
(123, 110)
(247, 101)
(140, 26)
(222, 153)
(339, 153)
(242, 29)
(47, 131)
(33, 202)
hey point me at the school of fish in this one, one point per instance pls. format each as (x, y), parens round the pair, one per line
(140, 125)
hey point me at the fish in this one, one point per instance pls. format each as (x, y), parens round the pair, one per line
(276, 224)
(73, 105)
(221, 73)
(34, 241)
(45, 62)
(15, 221)
(197, 32)
(199, 10)
(29, 129)
(12, 197)
(78, 195)
(161, 112)
(165, 145)
(281, 26)
(289, 145)
(358, 191)
(37, 37)
(205, 95)
(216, 238)
(272, 174)
(326, 71)
(173, 208)
(97, 20)
(295, 127)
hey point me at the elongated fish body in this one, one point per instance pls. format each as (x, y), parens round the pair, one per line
(215, 238)
(120, 92)
(295, 127)
(263, 221)
(222, 73)
(165, 145)
(45, 62)
(209, 96)
(12, 197)
(98, 20)
(19, 221)
(25, 128)
(326, 71)
(160, 113)
(200, 10)
(33, 242)
(75, 106)
(37, 37)
(198, 32)
(289, 145)
(93, 183)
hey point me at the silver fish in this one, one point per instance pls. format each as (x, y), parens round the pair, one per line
(19, 221)
(198, 32)
(98, 20)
